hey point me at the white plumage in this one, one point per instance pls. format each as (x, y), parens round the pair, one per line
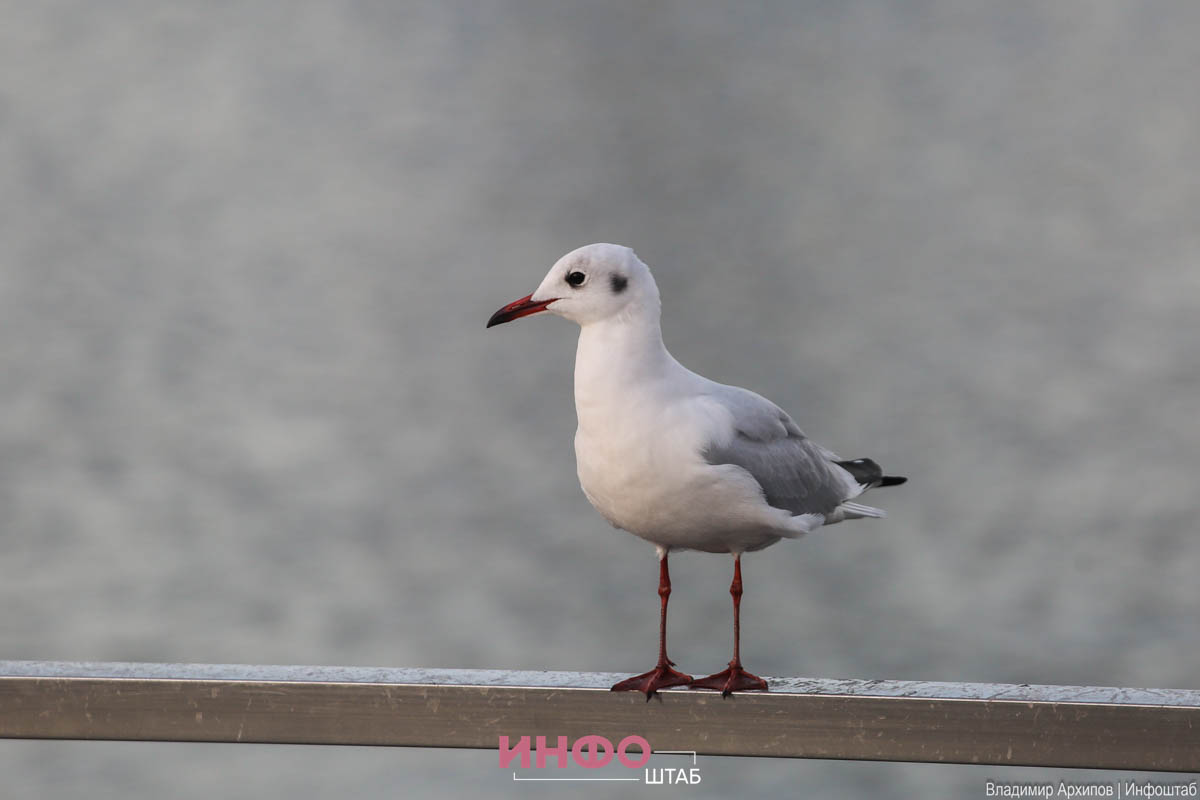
(673, 457)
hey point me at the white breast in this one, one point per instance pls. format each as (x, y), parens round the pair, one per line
(639, 464)
(644, 423)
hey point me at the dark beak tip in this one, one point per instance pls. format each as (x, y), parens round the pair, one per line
(500, 317)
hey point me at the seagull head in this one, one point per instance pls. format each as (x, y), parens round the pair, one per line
(594, 283)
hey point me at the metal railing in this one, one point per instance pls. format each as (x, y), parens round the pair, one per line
(1058, 726)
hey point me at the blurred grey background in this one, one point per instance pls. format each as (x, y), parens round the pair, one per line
(249, 411)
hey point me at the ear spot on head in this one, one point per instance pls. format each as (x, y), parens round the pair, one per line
(618, 283)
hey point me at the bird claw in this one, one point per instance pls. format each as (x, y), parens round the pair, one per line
(661, 677)
(730, 680)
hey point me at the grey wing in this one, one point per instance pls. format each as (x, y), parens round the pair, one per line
(795, 473)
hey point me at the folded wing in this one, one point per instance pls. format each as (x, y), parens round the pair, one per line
(795, 473)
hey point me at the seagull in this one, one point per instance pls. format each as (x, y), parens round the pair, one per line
(675, 458)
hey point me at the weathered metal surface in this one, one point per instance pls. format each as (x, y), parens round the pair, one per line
(1061, 726)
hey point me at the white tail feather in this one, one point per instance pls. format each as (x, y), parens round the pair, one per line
(857, 510)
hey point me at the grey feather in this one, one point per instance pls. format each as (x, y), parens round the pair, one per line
(795, 473)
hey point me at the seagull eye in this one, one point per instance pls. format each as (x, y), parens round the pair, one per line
(576, 278)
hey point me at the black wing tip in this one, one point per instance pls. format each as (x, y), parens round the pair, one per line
(868, 473)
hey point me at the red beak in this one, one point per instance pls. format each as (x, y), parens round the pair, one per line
(517, 309)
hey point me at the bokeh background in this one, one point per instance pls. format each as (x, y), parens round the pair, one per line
(249, 411)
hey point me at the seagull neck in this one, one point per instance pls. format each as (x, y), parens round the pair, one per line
(614, 354)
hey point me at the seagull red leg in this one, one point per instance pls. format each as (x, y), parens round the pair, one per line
(662, 676)
(734, 678)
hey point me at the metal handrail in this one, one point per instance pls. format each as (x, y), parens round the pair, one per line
(971, 723)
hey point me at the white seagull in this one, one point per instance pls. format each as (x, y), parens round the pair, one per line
(674, 458)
